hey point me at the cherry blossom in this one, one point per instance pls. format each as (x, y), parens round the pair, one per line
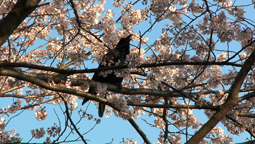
(38, 133)
(40, 114)
(184, 55)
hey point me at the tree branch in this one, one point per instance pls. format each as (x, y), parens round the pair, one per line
(64, 71)
(15, 17)
(231, 101)
(69, 118)
(138, 129)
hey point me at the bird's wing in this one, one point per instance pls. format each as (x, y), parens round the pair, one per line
(110, 58)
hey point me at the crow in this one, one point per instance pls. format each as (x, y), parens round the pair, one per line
(118, 54)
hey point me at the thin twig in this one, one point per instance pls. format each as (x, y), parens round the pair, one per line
(71, 121)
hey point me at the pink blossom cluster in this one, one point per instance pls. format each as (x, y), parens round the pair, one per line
(217, 136)
(7, 136)
(54, 130)
(174, 138)
(14, 107)
(197, 33)
(38, 133)
(41, 114)
(130, 141)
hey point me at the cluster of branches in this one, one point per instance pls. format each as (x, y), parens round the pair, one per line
(200, 84)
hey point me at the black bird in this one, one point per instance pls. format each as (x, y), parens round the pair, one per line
(115, 55)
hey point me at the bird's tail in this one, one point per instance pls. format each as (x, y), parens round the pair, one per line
(91, 91)
(101, 109)
(84, 101)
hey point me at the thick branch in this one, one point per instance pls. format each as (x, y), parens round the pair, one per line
(78, 82)
(231, 101)
(18, 13)
(41, 83)
(63, 71)
(174, 106)
(138, 129)
(46, 85)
